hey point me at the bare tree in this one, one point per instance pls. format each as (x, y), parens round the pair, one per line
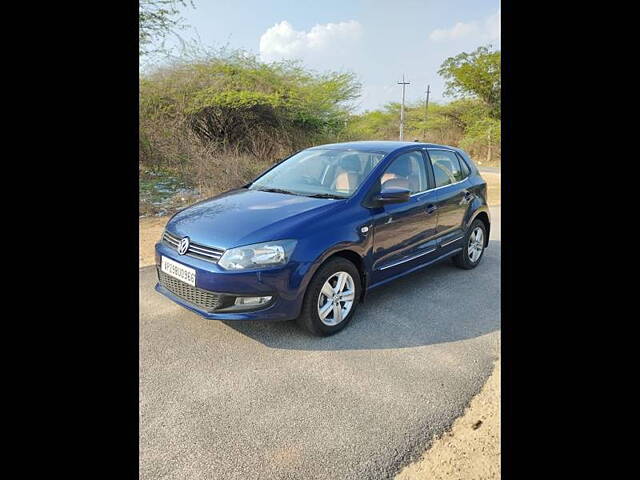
(157, 20)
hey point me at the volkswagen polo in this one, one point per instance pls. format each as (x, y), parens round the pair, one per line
(317, 232)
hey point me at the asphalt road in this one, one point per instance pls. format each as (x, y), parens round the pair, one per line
(266, 400)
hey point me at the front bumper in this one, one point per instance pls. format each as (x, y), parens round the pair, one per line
(284, 284)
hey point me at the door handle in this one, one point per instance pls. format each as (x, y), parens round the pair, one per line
(431, 208)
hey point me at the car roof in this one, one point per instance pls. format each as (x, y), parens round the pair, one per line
(381, 146)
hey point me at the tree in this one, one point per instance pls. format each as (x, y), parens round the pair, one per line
(476, 75)
(157, 20)
(232, 100)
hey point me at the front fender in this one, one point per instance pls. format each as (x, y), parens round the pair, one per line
(348, 238)
(359, 248)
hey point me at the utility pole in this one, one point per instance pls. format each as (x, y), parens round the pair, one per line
(426, 105)
(404, 84)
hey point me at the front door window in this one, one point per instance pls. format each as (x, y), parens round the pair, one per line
(406, 171)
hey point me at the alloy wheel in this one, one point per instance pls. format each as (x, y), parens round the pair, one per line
(476, 244)
(336, 298)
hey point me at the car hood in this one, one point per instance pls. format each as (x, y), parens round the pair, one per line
(241, 217)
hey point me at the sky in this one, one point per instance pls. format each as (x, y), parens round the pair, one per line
(378, 40)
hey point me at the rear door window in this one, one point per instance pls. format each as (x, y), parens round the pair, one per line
(464, 167)
(446, 167)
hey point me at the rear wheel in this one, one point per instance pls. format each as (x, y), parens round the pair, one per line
(473, 246)
(331, 298)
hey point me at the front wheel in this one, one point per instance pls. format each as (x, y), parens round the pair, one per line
(473, 246)
(331, 298)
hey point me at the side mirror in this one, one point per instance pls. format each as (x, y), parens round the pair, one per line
(393, 195)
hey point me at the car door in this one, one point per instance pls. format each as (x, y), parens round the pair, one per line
(454, 196)
(404, 233)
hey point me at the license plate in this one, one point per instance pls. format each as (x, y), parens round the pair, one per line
(179, 271)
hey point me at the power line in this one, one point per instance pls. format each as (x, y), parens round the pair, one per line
(404, 84)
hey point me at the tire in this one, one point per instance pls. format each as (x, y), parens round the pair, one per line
(464, 259)
(315, 298)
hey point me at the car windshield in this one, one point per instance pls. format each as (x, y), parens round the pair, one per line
(320, 173)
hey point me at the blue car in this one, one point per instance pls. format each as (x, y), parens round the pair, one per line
(317, 232)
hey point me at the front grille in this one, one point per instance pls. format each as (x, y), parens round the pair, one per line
(195, 250)
(204, 299)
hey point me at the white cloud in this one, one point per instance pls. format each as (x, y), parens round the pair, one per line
(477, 30)
(282, 41)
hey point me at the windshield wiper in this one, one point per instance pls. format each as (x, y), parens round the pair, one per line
(312, 195)
(277, 190)
(325, 195)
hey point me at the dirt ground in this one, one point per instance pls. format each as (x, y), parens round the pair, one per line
(493, 188)
(471, 449)
(150, 228)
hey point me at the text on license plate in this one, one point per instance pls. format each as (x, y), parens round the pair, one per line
(179, 271)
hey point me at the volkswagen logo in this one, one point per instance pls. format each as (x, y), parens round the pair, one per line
(183, 246)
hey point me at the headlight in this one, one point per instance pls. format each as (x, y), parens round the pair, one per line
(259, 255)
